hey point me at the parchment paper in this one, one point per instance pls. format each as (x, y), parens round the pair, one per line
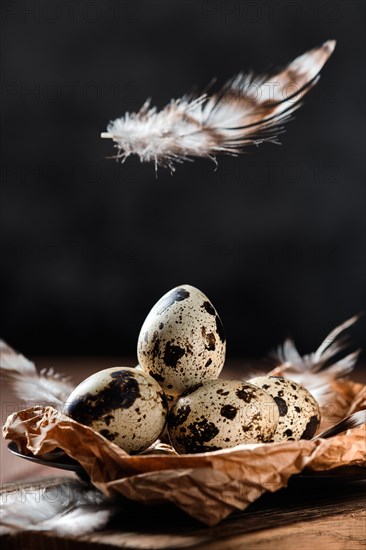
(208, 486)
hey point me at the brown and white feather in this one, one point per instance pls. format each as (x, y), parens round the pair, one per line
(248, 110)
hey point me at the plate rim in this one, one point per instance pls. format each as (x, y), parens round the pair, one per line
(356, 472)
(70, 466)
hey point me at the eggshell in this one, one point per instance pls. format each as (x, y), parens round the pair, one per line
(299, 410)
(123, 404)
(182, 340)
(217, 414)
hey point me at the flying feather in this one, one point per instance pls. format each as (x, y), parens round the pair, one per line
(248, 110)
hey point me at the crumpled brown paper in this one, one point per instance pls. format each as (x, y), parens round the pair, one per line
(208, 486)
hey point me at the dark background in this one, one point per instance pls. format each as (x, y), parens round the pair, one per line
(275, 238)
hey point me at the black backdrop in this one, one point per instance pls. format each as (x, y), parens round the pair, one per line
(275, 238)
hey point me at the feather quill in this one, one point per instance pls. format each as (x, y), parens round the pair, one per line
(248, 110)
(36, 388)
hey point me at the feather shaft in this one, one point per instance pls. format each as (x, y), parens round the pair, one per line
(352, 421)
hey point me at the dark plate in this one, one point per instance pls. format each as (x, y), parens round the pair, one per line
(55, 459)
(341, 474)
(59, 459)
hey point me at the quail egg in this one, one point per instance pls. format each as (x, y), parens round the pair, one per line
(182, 340)
(217, 414)
(124, 405)
(299, 411)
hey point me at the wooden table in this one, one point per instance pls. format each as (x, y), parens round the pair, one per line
(306, 515)
(320, 513)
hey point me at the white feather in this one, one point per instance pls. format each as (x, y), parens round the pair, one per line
(248, 110)
(317, 370)
(68, 508)
(44, 388)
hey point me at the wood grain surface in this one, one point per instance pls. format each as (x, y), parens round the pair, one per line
(309, 513)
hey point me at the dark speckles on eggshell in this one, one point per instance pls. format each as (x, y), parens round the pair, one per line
(195, 437)
(189, 349)
(177, 295)
(108, 435)
(245, 394)
(220, 329)
(222, 392)
(209, 339)
(228, 411)
(281, 404)
(191, 390)
(203, 431)
(156, 376)
(155, 352)
(191, 446)
(179, 417)
(209, 308)
(311, 428)
(172, 354)
(163, 399)
(121, 393)
(208, 363)
(108, 418)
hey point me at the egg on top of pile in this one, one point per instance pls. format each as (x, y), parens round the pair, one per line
(182, 340)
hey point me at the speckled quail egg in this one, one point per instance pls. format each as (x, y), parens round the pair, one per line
(299, 411)
(123, 404)
(218, 414)
(182, 340)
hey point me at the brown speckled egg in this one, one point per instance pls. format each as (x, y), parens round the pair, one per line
(123, 404)
(182, 340)
(218, 414)
(299, 411)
